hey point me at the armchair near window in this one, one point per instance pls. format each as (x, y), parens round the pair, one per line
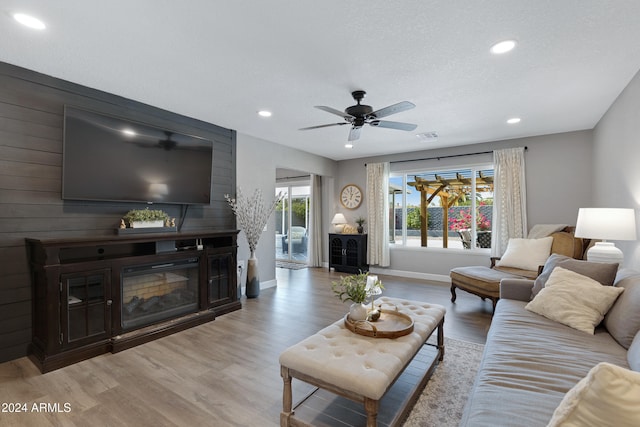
(297, 237)
(485, 281)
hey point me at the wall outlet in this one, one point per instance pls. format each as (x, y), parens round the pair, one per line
(242, 265)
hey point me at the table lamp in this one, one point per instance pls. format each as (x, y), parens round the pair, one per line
(339, 221)
(606, 224)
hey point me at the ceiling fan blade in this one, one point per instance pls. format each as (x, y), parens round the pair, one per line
(334, 111)
(393, 125)
(393, 109)
(354, 133)
(323, 126)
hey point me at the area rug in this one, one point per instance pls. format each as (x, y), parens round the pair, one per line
(442, 401)
(290, 265)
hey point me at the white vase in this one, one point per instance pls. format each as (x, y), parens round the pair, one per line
(358, 311)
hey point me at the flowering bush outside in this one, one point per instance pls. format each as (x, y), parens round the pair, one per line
(463, 221)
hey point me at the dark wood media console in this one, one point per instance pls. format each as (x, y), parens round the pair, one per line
(110, 293)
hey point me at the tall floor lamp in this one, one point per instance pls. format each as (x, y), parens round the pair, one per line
(606, 224)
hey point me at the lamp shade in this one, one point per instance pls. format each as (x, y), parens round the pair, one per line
(606, 224)
(338, 219)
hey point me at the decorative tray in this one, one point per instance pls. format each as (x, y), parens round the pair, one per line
(391, 324)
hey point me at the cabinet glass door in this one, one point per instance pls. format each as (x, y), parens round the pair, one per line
(352, 253)
(221, 284)
(85, 299)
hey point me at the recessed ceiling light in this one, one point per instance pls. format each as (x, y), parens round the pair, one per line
(29, 21)
(264, 113)
(513, 120)
(129, 132)
(503, 47)
(348, 145)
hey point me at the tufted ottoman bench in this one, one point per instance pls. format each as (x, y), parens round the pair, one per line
(357, 367)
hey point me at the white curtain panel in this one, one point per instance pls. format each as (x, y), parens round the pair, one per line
(315, 223)
(509, 199)
(378, 214)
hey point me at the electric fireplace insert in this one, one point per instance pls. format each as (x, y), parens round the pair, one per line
(157, 292)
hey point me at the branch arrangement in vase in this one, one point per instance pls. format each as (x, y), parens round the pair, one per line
(252, 214)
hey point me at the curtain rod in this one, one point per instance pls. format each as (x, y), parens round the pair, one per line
(285, 178)
(445, 157)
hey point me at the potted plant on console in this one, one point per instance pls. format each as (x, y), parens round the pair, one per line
(146, 218)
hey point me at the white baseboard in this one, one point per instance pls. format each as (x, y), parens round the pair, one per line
(412, 274)
(268, 284)
(408, 274)
(263, 285)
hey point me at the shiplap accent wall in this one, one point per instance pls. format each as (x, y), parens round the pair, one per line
(31, 141)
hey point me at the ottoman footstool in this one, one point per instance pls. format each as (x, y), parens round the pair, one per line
(358, 367)
(479, 280)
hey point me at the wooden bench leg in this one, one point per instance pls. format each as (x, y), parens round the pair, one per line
(453, 293)
(287, 399)
(371, 408)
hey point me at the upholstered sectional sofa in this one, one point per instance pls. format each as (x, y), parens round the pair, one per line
(535, 368)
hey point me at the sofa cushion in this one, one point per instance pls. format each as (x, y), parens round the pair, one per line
(633, 355)
(605, 273)
(529, 363)
(607, 393)
(623, 320)
(527, 254)
(574, 300)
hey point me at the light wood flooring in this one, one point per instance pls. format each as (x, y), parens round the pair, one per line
(223, 373)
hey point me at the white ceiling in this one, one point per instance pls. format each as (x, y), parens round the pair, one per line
(222, 61)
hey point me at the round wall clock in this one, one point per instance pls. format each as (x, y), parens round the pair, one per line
(351, 196)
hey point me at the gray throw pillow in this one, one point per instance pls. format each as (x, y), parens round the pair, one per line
(623, 319)
(602, 272)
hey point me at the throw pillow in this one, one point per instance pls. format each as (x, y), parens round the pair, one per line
(623, 319)
(603, 272)
(607, 393)
(574, 300)
(526, 254)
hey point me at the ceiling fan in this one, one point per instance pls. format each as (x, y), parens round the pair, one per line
(358, 115)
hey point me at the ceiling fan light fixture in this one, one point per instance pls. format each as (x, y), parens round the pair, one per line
(29, 21)
(503, 47)
(359, 115)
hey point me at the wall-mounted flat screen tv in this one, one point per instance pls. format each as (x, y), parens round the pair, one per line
(108, 158)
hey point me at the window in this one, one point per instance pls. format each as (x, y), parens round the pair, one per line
(449, 208)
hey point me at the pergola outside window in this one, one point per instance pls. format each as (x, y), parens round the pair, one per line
(443, 208)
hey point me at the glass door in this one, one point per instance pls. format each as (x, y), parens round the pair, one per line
(292, 223)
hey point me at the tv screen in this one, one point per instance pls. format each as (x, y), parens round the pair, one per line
(109, 158)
